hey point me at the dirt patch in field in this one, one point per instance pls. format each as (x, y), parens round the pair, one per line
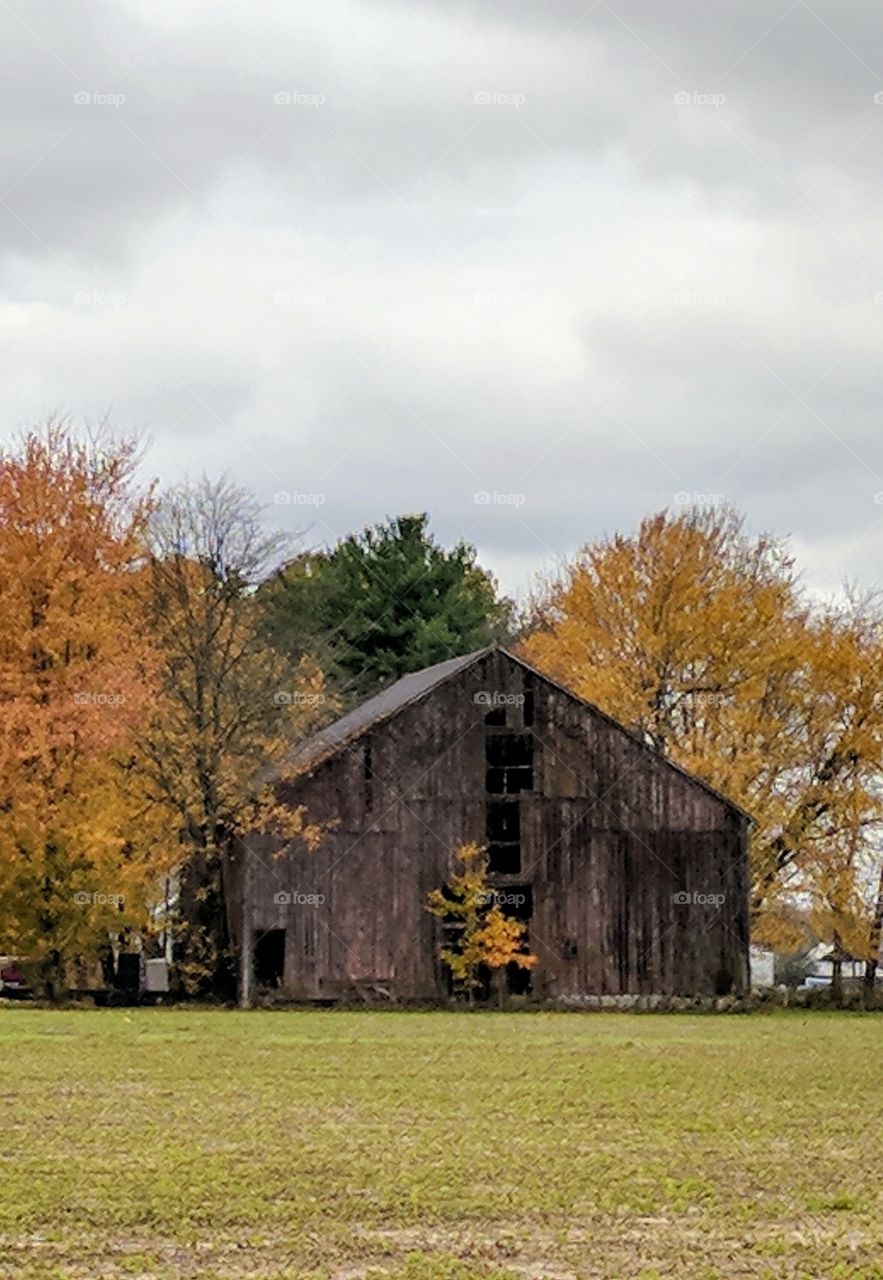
(627, 1250)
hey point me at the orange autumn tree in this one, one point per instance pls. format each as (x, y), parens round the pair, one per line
(81, 849)
(698, 638)
(485, 937)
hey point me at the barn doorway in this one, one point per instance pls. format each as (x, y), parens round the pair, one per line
(269, 959)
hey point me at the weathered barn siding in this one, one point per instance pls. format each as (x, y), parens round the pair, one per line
(610, 833)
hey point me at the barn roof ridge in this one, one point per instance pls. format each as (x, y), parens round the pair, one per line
(404, 692)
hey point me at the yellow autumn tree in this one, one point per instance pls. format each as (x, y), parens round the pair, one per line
(699, 638)
(483, 936)
(839, 881)
(82, 848)
(230, 708)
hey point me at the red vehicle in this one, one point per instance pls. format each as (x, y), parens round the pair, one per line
(13, 984)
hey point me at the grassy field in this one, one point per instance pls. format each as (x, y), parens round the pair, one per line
(436, 1146)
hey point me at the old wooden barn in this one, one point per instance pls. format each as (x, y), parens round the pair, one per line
(630, 875)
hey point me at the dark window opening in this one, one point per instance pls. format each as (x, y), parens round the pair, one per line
(516, 982)
(452, 940)
(509, 750)
(503, 821)
(496, 718)
(514, 900)
(508, 782)
(517, 979)
(269, 958)
(509, 771)
(503, 859)
(518, 779)
(495, 781)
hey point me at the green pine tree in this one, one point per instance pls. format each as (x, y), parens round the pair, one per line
(382, 603)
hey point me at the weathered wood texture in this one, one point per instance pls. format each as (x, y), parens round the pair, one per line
(637, 873)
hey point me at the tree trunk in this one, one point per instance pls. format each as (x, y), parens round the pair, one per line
(52, 963)
(52, 975)
(837, 981)
(499, 979)
(246, 941)
(874, 942)
(205, 959)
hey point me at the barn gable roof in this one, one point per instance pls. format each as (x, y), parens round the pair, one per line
(341, 733)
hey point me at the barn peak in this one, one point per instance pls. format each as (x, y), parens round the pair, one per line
(341, 733)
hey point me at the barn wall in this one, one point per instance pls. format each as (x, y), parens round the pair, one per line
(609, 835)
(616, 834)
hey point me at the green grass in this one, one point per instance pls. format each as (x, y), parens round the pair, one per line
(164, 1144)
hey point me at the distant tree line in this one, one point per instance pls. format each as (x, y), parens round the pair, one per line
(159, 648)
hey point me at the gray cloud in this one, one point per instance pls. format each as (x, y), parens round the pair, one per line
(398, 256)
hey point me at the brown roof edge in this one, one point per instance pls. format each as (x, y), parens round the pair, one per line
(325, 743)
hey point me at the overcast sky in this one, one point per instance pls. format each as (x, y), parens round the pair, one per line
(537, 267)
